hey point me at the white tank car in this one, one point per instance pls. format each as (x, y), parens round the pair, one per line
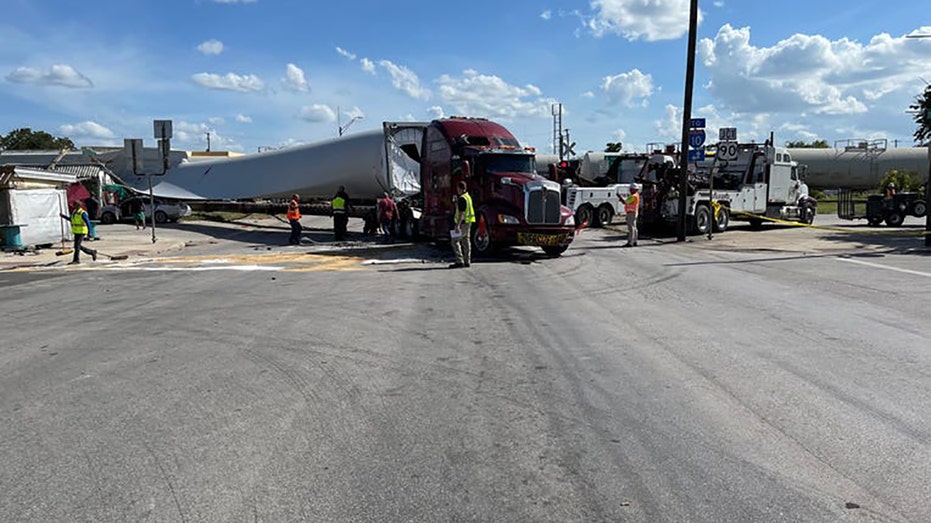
(366, 164)
(858, 167)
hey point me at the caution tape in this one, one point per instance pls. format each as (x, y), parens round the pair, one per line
(834, 229)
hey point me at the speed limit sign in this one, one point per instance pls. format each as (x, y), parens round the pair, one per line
(726, 151)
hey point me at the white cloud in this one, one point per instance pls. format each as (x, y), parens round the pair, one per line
(211, 47)
(670, 127)
(490, 96)
(216, 120)
(318, 113)
(194, 136)
(626, 87)
(436, 112)
(649, 20)
(294, 79)
(345, 53)
(86, 129)
(241, 118)
(546, 15)
(588, 94)
(230, 82)
(367, 65)
(809, 73)
(58, 74)
(405, 80)
(718, 4)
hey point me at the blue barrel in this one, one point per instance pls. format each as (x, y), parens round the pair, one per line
(12, 237)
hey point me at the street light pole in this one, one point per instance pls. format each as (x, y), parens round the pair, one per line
(686, 118)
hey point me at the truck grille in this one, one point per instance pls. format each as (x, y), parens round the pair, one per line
(542, 205)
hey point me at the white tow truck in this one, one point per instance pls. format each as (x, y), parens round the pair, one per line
(758, 181)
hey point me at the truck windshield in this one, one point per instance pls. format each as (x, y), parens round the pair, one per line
(507, 163)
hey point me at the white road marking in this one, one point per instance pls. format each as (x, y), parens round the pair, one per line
(878, 266)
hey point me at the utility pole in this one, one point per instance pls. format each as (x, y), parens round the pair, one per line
(558, 148)
(208, 141)
(686, 119)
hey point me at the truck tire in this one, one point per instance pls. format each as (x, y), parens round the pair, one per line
(894, 219)
(481, 242)
(807, 214)
(920, 209)
(702, 220)
(584, 214)
(161, 217)
(605, 215)
(555, 250)
(107, 218)
(723, 220)
(874, 220)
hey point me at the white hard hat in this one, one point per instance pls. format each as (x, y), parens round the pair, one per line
(635, 187)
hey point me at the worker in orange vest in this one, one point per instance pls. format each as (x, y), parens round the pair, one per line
(294, 218)
(632, 212)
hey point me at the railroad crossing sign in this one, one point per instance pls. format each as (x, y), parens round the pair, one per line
(696, 138)
(726, 151)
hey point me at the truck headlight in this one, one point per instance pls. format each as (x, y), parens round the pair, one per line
(508, 219)
(570, 221)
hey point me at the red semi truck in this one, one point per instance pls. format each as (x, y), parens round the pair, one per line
(513, 204)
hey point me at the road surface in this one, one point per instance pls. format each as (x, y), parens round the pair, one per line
(670, 382)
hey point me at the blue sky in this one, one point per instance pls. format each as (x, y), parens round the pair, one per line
(271, 73)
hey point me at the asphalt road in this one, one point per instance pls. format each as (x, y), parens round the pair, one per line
(663, 383)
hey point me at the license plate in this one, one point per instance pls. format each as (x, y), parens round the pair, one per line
(540, 240)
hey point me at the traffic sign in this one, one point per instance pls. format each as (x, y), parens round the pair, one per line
(697, 123)
(696, 155)
(727, 134)
(726, 151)
(696, 138)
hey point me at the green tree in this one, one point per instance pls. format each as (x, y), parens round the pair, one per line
(25, 139)
(905, 181)
(922, 111)
(816, 144)
(613, 147)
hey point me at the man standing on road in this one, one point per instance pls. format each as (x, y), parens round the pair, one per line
(632, 212)
(387, 215)
(340, 206)
(93, 211)
(462, 232)
(137, 209)
(294, 219)
(80, 224)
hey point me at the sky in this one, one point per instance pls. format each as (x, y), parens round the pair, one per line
(258, 74)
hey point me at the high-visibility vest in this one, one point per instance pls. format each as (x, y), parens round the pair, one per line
(294, 211)
(632, 204)
(469, 216)
(339, 205)
(78, 225)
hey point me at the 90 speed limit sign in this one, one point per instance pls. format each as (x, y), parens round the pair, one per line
(726, 151)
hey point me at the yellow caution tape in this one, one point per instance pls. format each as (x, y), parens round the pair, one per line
(834, 229)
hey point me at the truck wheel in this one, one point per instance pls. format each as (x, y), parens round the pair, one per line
(723, 220)
(161, 217)
(702, 219)
(894, 219)
(555, 250)
(107, 218)
(874, 221)
(919, 209)
(807, 214)
(585, 214)
(481, 240)
(605, 214)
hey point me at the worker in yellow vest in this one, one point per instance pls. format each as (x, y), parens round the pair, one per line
(80, 224)
(294, 219)
(340, 206)
(461, 234)
(632, 212)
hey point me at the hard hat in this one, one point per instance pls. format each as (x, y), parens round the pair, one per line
(635, 187)
(891, 185)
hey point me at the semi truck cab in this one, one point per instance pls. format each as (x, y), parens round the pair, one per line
(513, 204)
